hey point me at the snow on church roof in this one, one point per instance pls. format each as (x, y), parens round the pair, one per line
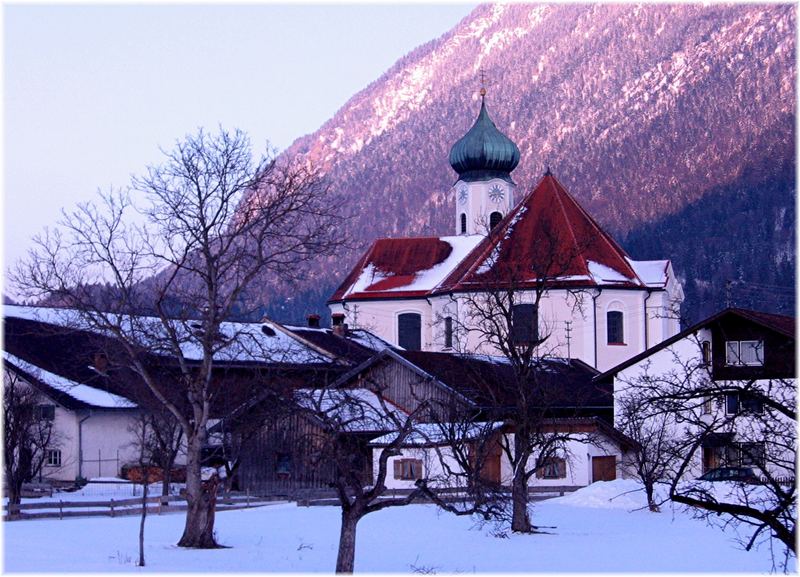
(548, 235)
(405, 267)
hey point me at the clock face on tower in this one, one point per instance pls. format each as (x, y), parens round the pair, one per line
(496, 193)
(462, 195)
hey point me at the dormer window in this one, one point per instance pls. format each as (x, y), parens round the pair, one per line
(748, 353)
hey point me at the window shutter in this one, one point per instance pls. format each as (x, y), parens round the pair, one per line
(398, 468)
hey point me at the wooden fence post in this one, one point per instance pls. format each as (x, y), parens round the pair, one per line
(248, 498)
(60, 509)
(112, 507)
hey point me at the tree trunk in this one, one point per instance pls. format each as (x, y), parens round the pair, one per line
(345, 562)
(165, 482)
(201, 501)
(520, 520)
(651, 502)
(144, 516)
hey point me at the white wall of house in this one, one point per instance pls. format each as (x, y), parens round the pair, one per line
(578, 468)
(109, 442)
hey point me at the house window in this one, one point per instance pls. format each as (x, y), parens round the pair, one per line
(52, 457)
(614, 328)
(283, 464)
(705, 347)
(524, 324)
(463, 223)
(708, 405)
(751, 454)
(743, 403)
(408, 469)
(744, 353)
(409, 331)
(448, 332)
(494, 219)
(552, 468)
(46, 412)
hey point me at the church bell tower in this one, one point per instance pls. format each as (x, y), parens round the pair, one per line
(483, 158)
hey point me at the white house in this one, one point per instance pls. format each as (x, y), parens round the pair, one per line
(744, 359)
(599, 305)
(93, 431)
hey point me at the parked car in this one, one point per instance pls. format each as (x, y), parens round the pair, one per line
(741, 474)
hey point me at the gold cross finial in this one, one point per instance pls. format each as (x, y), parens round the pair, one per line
(483, 83)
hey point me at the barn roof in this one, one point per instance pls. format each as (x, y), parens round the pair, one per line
(547, 237)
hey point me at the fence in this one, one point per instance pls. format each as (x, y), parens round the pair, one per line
(120, 507)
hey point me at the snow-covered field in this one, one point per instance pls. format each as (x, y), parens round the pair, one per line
(590, 534)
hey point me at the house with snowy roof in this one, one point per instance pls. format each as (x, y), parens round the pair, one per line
(94, 401)
(91, 429)
(596, 303)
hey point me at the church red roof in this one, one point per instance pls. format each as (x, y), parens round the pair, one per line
(548, 237)
(404, 267)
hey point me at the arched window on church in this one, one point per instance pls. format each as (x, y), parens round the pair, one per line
(463, 223)
(494, 219)
(616, 334)
(409, 331)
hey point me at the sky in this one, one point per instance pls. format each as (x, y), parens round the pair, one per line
(91, 92)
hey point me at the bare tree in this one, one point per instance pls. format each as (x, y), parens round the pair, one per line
(164, 444)
(346, 419)
(27, 433)
(211, 222)
(503, 316)
(656, 455)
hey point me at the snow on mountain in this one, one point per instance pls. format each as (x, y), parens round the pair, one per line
(640, 110)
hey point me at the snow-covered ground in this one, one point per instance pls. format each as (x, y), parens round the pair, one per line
(590, 534)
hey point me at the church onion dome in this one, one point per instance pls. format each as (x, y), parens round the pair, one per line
(484, 152)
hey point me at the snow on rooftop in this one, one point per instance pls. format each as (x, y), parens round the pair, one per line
(438, 433)
(354, 410)
(422, 280)
(652, 272)
(603, 273)
(78, 391)
(239, 341)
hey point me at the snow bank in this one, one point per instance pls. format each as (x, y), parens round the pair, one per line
(619, 494)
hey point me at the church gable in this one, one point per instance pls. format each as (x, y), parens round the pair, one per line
(550, 237)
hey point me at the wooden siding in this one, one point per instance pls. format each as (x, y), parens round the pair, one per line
(301, 443)
(406, 389)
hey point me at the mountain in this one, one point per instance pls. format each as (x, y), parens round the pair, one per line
(642, 112)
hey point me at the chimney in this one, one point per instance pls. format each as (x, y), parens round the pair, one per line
(337, 319)
(313, 321)
(341, 329)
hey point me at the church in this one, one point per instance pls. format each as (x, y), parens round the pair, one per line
(568, 286)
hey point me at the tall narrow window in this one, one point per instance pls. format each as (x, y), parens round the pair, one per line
(524, 324)
(614, 326)
(409, 331)
(706, 348)
(463, 223)
(448, 332)
(494, 219)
